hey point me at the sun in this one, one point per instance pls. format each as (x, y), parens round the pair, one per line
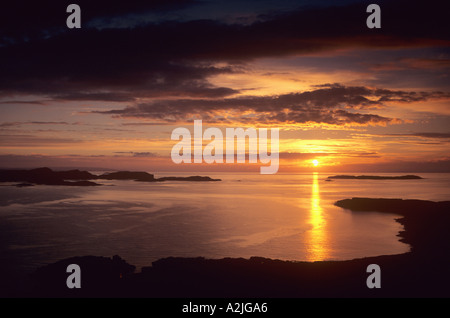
(315, 162)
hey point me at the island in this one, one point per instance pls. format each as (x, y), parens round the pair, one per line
(363, 177)
(46, 176)
(147, 177)
(421, 272)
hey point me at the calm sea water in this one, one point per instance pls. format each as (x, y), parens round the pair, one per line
(283, 216)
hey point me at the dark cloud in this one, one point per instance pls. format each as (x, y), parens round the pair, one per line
(142, 124)
(13, 124)
(137, 154)
(144, 154)
(432, 135)
(315, 155)
(47, 123)
(34, 141)
(175, 58)
(441, 165)
(24, 21)
(328, 103)
(21, 102)
(86, 78)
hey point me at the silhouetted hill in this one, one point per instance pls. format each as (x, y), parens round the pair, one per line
(75, 175)
(99, 275)
(128, 175)
(48, 177)
(405, 275)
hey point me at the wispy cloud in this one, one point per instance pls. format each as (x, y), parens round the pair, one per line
(333, 104)
(137, 154)
(34, 141)
(13, 124)
(431, 135)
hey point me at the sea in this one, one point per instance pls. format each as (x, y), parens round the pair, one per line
(282, 216)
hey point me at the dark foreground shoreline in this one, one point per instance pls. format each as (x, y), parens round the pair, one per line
(423, 272)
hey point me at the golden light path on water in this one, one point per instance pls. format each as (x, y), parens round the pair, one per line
(317, 240)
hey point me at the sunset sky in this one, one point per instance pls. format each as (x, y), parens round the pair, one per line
(109, 95)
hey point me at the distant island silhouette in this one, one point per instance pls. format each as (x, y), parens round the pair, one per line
(46, 176)
(422, 272)
(407, 177)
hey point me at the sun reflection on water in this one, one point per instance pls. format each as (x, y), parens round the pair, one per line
(316, 237)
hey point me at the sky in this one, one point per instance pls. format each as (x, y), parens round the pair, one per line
(109, 94)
